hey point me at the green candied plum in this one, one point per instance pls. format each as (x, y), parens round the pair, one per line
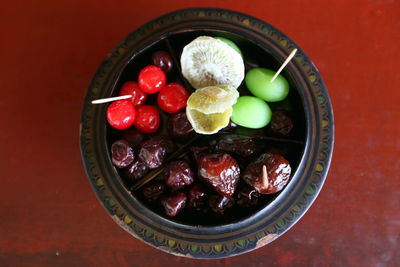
(231, 44)
(251, 112)
(258, 81)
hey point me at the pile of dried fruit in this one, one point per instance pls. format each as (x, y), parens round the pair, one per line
(218, 168)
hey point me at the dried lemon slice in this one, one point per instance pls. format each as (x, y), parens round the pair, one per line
(208, 61)
(209, 109)
(208, 123)
(212, 99)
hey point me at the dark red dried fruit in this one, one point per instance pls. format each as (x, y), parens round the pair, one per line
(179, 127)
(278, 170)
(163, 60)
(178, 174)
(173, 204)
(221, 171)
(237, 144)
(220, 205)
(136, 171)
(199, 151)
(163, 141)
(196, 198)
(133, 136)
(153, 191)
(152, 155)
(281, 122)
(153, 151)
(122, 153)
(246, 197)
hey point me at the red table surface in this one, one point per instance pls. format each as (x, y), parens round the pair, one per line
(51, 49)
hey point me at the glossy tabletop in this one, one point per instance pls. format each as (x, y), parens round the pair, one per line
(50, 51)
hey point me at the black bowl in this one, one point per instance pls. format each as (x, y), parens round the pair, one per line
(308, 149)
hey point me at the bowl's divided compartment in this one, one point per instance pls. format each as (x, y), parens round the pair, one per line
(291, 147)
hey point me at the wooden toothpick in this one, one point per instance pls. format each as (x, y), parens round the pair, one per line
(265, 176)
(110, 99)
(284, 64)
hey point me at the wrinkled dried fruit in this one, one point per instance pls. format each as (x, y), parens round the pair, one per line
(281, 122)
(278, 170)
(237, 144)
(153, 151)
(152, 155)
(221, 171)
(136, 171)
(173, 204)
(220, 205)
(196, 198)
(133, 136)
(246, 197)
(179, 127)
(165, 142)
(178, 174)
(199, 151)
(153, 191)
(122, 153)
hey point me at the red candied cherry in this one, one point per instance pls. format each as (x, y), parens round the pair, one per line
(172, 98)
(163, 60)
(147, 119)
(132, 88)
(121, 114)
(151, 79)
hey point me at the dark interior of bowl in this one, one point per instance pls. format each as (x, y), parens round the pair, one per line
(290, 146)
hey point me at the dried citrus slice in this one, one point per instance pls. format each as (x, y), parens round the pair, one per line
(208, 61)
(209, 109)
(208, 123)
(212, 99)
